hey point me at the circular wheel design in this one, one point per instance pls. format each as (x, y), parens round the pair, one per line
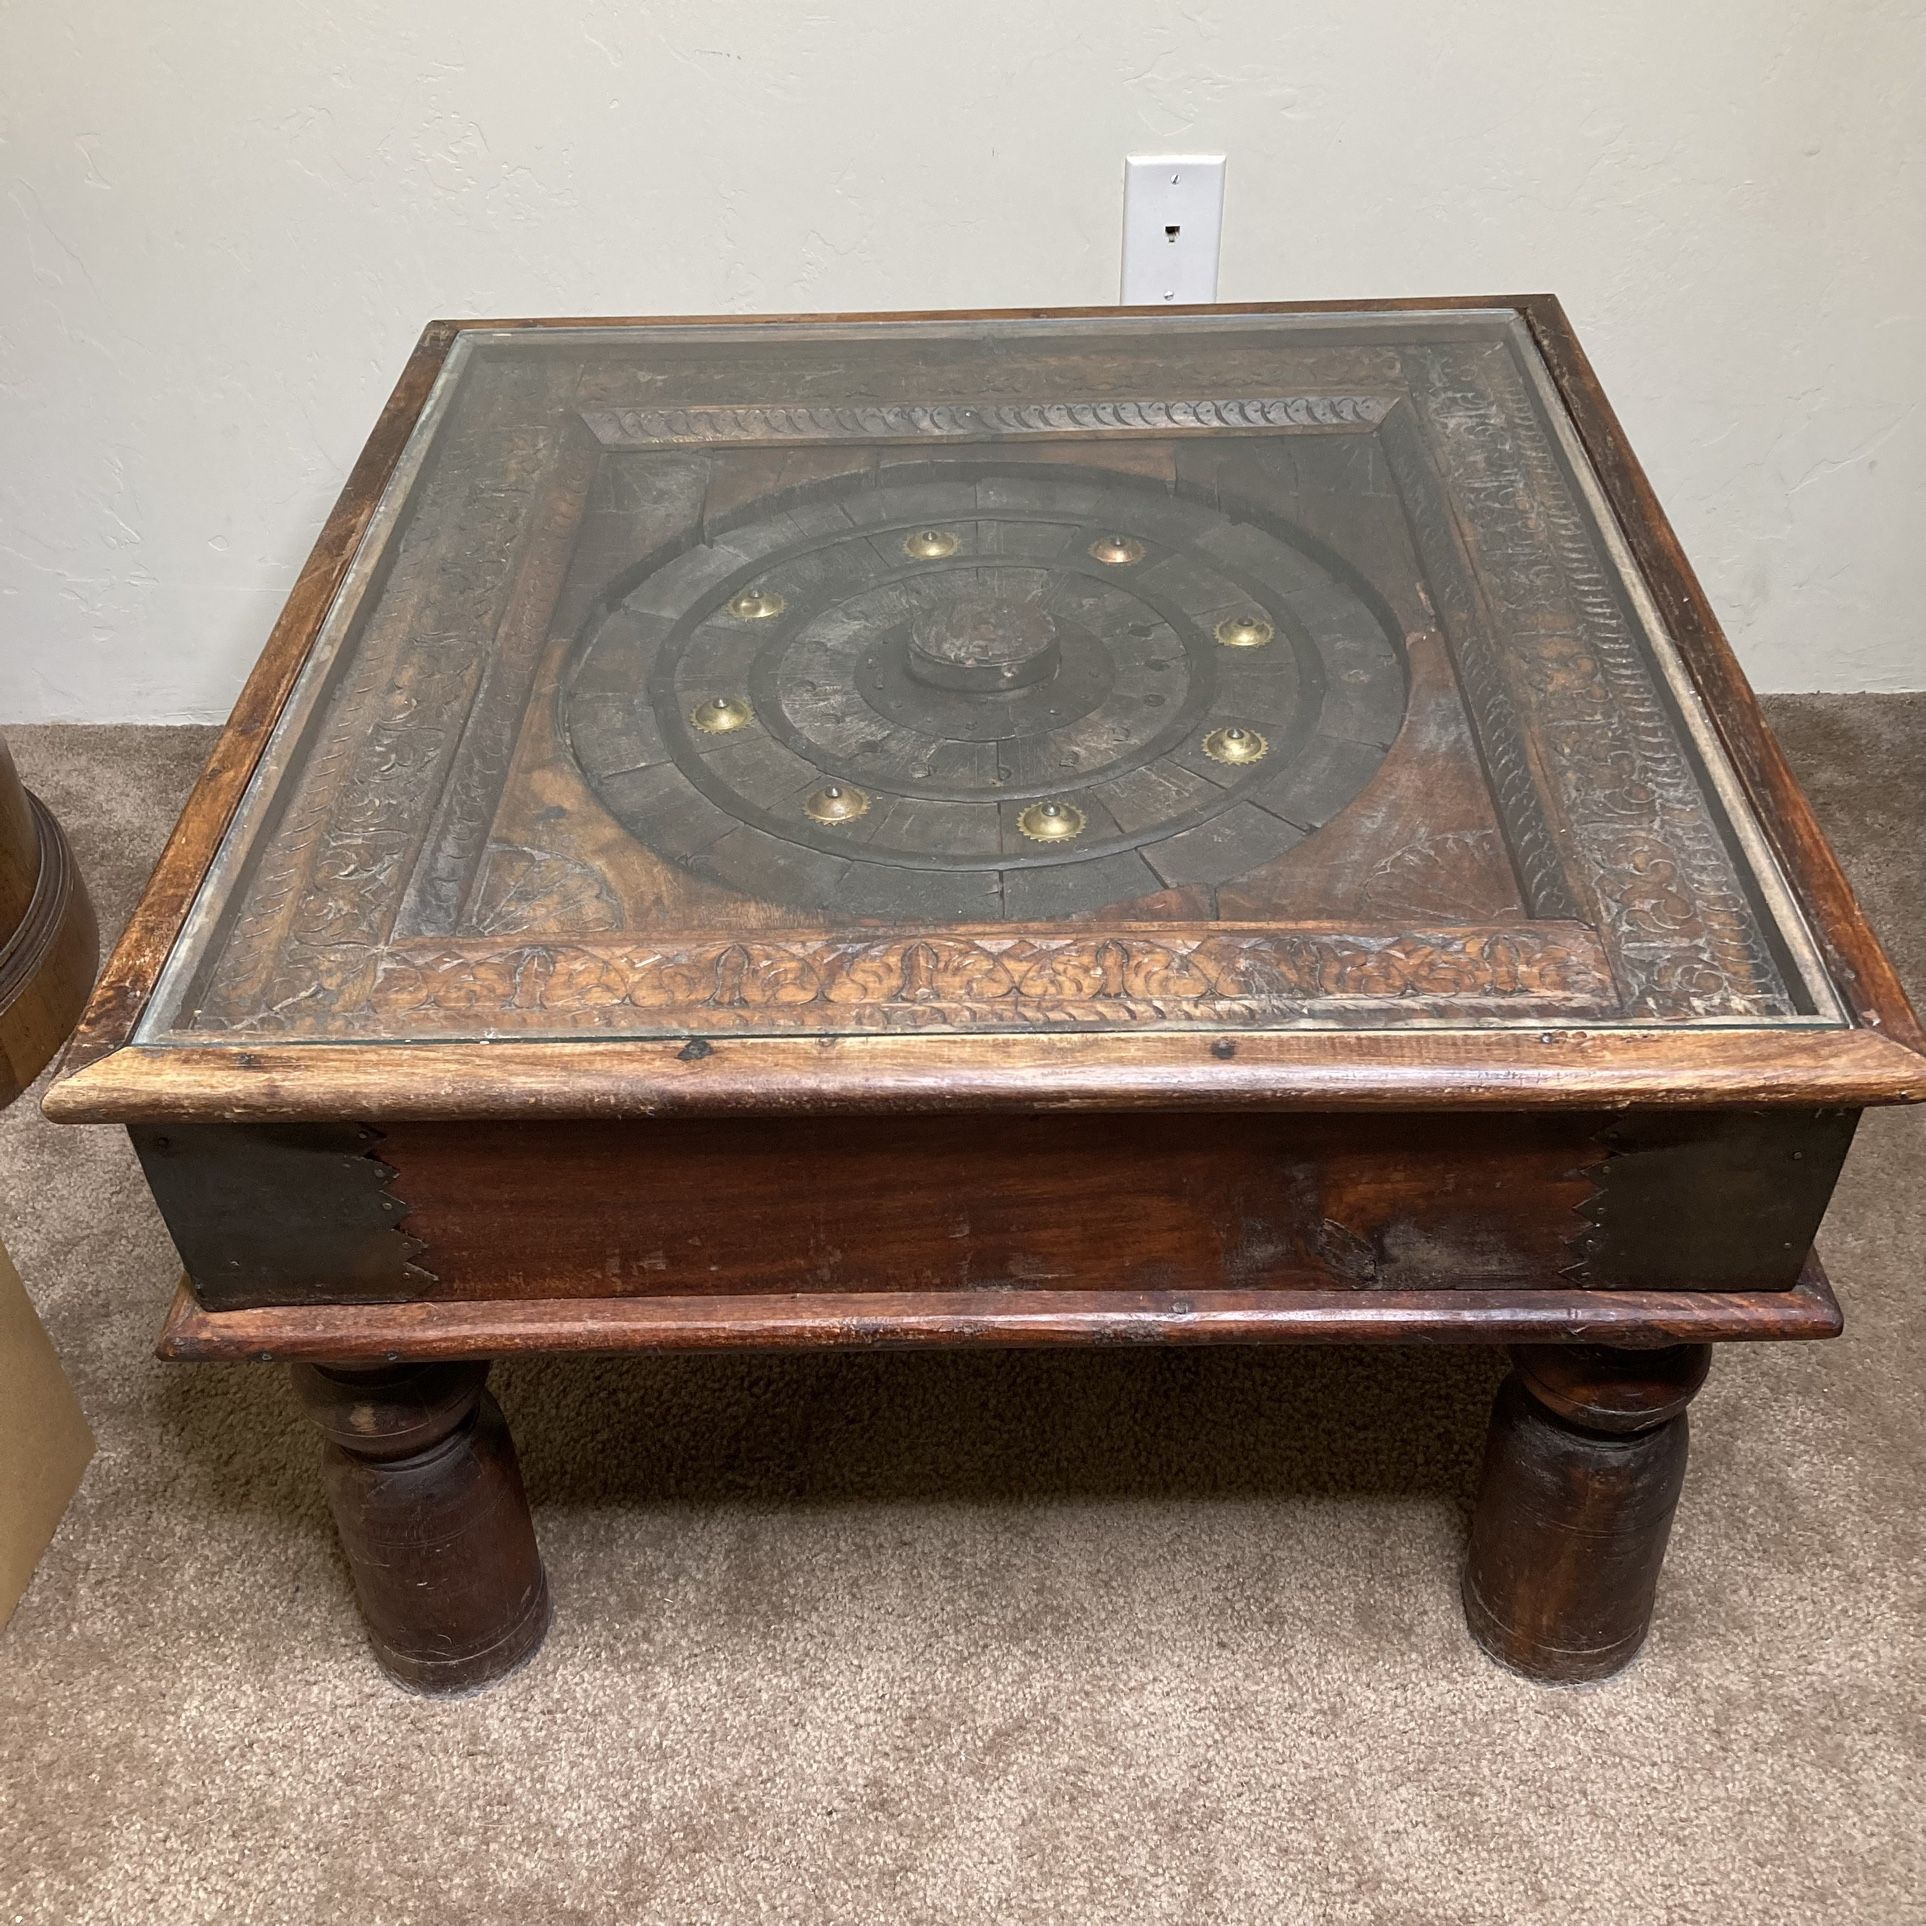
(986, 696)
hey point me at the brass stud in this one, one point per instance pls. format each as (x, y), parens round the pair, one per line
(757, 605)
(836, 802)
(1119, 551)
(1244, 631)
(932, 544)
(720, 714)
(1235, 743)
(1051, 822)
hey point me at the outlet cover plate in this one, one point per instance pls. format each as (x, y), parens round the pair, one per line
(1173, 228)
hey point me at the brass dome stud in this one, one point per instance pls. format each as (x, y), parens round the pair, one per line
(932, 544)
(836, 802)
(1117, 551)
(1244, 631)
(720, 714)
(1235, 743)
(1051, 822)
(757, 605)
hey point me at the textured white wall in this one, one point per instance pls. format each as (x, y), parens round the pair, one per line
(224, 222)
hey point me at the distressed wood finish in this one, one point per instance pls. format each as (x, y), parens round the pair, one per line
(306, 1213)
(422, 1478)
(1001, 1318)
(1582, 1473)
(1079, 828)
(48, 942)
(432, 863)
(1440, 1070)
(1830, 1066)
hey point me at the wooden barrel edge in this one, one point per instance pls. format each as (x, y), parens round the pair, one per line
(47, 963)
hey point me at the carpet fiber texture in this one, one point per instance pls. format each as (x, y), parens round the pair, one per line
(957, 1638)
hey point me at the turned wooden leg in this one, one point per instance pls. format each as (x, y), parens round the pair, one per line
(1583, 1466)
(427, 1496)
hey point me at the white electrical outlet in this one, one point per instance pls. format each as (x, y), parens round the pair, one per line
(1173, 227)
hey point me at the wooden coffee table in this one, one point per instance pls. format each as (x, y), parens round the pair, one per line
(1229, 826)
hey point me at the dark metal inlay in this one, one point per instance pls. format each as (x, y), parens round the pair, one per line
(957, 686)
(282, 1213)
(1711, 1200)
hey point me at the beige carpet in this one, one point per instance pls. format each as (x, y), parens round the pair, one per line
(963, 1638)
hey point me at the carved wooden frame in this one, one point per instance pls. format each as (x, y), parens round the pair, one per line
(1844, 1062)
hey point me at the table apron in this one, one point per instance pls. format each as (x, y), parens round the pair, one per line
(308, 1214)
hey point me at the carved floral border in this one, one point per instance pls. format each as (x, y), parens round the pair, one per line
(948, 980)
(644, 427)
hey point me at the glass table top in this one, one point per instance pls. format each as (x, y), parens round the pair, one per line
(1227, 671)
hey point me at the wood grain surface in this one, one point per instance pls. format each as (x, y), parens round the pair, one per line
(49, 944)
(1446, 1070)
(393, 1332)
(1583, 1467)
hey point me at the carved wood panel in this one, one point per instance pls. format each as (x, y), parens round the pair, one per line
(1027, 682)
